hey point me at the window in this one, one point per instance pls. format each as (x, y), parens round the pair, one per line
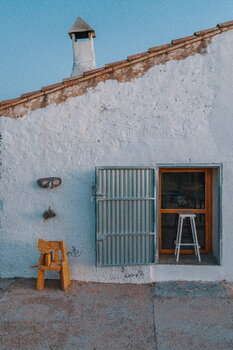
(188, 190)
(125, 214)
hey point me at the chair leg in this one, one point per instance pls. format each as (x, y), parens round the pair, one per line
(65, 276)
(40, 280)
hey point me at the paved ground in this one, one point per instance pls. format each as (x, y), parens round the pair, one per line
(96, 316)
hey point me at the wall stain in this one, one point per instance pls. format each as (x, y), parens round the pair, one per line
(75, 253)
(137, 274)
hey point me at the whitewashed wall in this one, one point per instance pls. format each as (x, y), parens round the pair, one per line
(180, 112)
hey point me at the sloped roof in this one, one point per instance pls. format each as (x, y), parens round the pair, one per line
(124, 70)
(81, 26)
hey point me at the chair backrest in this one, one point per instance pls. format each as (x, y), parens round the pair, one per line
(56, 249)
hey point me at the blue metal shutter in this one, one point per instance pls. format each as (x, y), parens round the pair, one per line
(125, 232)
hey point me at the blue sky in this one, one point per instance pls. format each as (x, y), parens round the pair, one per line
(36, 49)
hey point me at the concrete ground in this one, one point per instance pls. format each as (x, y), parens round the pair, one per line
(97, 316)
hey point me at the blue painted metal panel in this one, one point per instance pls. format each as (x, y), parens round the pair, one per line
(125, 206)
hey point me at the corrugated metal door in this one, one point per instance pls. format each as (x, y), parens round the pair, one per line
(125, 232)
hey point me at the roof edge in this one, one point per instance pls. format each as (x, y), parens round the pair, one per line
(153, 51)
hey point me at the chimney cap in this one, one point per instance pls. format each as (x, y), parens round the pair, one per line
(81, 29)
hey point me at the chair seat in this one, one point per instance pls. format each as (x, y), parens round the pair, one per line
(54, 266)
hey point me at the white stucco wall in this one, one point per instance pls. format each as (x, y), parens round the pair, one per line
(179, 112)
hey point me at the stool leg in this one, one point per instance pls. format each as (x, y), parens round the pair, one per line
(40, 280)
(179, 239)
(193, 235)
(177, 236)
(196, 241)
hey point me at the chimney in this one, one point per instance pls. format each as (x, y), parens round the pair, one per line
(82, 36)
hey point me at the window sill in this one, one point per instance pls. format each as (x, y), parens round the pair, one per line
(187, 259)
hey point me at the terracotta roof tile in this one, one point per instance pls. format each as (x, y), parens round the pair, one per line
(84, 78)
(10, 101)
(56, 88)
(123, 65)
(207, 31)
(213, 33)
(72, 78)
(226, 28)
(225, 24)
(70, 82)
(106, 70)
(158, 48)
(92, 71)
(181, 40)
(38, 94)
(195, 39)
(177, 46)
(138, 55)
(113, 64)
(159, 52)
(30, 94)
(50, 87)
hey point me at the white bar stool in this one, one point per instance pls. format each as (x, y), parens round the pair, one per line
(178, 242)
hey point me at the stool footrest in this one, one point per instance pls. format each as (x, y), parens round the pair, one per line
(194, 244)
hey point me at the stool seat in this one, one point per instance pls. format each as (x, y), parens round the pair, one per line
(178, 242)
(186, 215)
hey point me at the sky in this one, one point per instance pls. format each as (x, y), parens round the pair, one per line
(35, 49)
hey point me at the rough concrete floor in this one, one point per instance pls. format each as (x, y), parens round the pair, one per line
(97, 316)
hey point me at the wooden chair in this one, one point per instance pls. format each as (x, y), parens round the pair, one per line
(53, 257)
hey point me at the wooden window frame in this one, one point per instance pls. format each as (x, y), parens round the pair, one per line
(207, 211)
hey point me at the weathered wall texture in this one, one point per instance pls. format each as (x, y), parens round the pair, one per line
(178, 112)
